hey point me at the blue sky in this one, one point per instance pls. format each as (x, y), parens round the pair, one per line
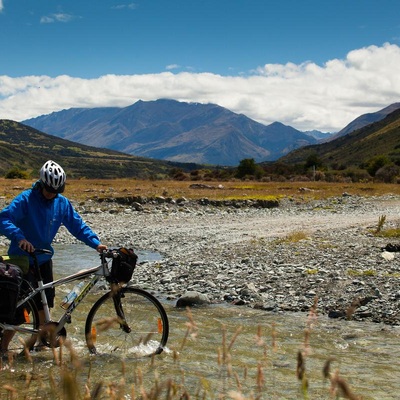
(309, 64)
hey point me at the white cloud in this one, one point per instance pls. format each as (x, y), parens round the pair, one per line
(59, 17)
(305, 96)
(130, 6)
(1, 5)
(172, 66)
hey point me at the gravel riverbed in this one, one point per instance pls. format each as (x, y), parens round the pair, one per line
(251, 257)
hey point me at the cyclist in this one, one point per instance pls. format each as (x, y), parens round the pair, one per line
(33, 219)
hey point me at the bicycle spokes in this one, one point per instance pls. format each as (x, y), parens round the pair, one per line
(139, 326)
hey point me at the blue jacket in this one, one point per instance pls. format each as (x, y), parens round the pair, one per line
(32, 217)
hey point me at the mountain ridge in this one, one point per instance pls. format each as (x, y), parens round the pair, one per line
(380, 138)
(364, 120)
(175, 131)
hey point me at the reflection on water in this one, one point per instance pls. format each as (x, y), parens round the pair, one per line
(221, 349)
(69, 259)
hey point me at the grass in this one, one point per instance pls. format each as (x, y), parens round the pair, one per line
(367, 272)
(84, 189)
(66, 378)
(292, 237)
(391, 233)
(380, 231)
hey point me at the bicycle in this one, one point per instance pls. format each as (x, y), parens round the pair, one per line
(125, 321)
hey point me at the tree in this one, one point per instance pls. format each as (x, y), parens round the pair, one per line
(375, 163)
(246, 167)
(313, 161)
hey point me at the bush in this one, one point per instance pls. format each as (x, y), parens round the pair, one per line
(377, 162)
(356, 174)
(388, 173)
(16, 173)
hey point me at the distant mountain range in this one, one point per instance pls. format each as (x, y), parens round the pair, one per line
(175, 131)
(24, 148)
(182, 132)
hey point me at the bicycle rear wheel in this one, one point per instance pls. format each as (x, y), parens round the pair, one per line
(127, 323)
(27, 320)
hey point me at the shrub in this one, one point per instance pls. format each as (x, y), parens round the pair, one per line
(388, 173)
(377, 162)
(16, 173)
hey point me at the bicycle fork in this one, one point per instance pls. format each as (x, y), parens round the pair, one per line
(120, 313)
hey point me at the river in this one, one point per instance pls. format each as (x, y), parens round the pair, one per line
(215, 352)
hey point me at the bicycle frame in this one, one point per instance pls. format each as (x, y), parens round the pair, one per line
(135, 319)
(98, 272)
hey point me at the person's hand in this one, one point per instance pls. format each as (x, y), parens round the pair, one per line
(101, 247)
(26, 246)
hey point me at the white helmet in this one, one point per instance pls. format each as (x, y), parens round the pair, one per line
(53, 177)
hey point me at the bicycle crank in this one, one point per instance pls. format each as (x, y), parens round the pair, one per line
(50, 336)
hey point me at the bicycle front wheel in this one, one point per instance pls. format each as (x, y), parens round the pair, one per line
(129, 322)
(27, 324)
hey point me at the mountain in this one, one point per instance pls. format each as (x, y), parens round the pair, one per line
(175, 131)
(357, 147)
(27, 149)
(319, 135)
(365, 120)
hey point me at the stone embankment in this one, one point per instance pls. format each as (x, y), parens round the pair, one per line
(285, 257)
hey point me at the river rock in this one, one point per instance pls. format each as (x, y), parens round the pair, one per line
(192, 298)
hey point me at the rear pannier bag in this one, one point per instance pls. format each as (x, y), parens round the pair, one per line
(10, 284)
(123, 265)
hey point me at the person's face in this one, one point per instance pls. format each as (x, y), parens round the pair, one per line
(48, 195)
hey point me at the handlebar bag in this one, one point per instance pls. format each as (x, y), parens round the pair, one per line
(10, 284)
(123, 265)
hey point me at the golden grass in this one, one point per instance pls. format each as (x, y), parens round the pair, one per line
(84, 189)
(68, 380)
(390, 233)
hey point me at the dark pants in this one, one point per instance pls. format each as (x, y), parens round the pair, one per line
(46, 270)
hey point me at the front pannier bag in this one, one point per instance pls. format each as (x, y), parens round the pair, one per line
(123, 265)
(10, 283)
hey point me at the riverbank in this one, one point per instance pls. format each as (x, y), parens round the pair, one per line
(252, 256)
(278, 259)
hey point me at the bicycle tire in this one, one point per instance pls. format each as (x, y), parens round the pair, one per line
(27, 317)
(144, 334)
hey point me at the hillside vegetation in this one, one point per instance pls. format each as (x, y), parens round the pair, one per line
(26, 149)
(356, 148)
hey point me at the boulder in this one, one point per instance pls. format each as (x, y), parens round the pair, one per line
(192, 298)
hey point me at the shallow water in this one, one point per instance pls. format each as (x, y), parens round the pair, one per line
(227, 349)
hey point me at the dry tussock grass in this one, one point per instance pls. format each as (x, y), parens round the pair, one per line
(83, 189)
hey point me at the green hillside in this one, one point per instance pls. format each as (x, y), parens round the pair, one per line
(26, 149)
(357, 148)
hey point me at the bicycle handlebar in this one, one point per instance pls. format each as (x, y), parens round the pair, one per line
(39, 251)
(109, 253)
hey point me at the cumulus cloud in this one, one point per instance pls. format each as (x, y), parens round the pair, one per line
(305, 96)
(1, 5)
